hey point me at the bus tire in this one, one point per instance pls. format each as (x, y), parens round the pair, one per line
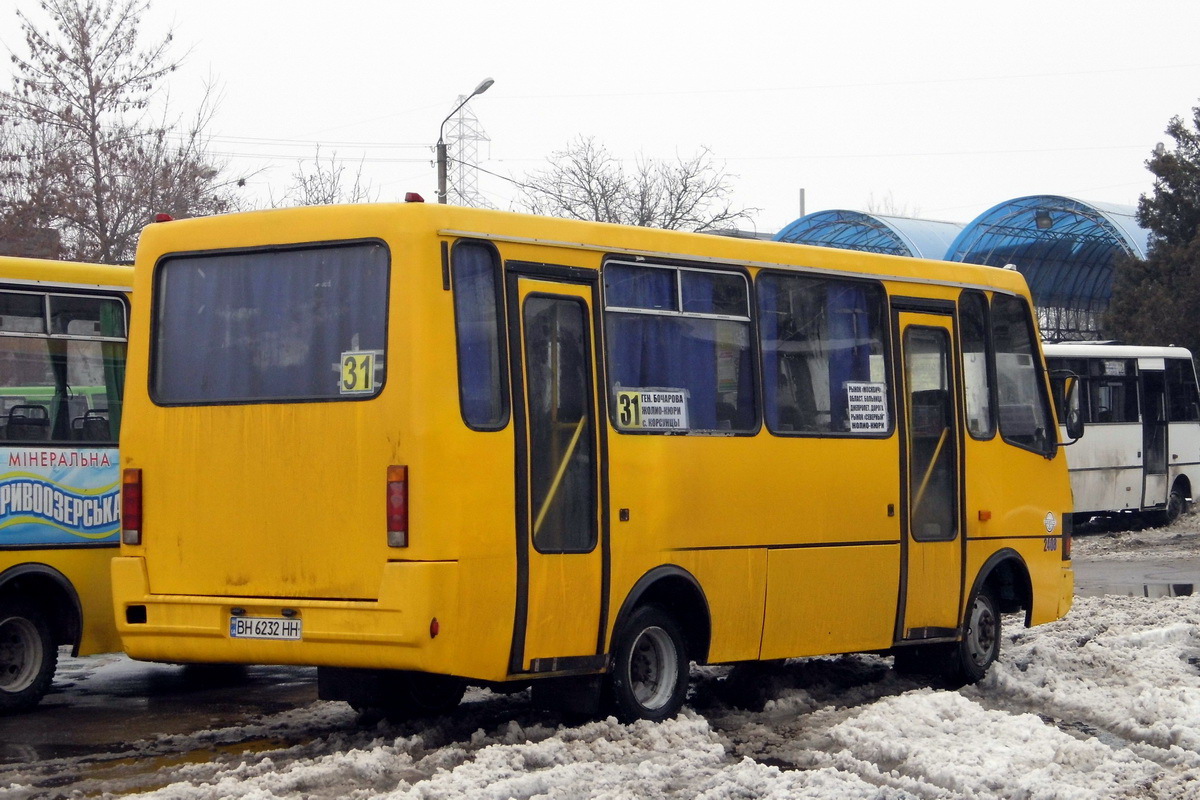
(28, 656)
(1176, 504)
(980, 644)
(649, 679)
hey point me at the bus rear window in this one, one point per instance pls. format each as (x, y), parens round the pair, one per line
(271, 326)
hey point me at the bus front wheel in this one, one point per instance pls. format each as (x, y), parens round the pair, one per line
(27, 655)
(649, 679)
(980, 645)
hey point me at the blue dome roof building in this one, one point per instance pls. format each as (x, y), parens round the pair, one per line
(1065, 248)
(874, 233)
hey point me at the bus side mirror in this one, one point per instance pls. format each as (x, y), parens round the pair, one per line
(1074, 416)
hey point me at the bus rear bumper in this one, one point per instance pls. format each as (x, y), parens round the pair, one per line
(396, 631)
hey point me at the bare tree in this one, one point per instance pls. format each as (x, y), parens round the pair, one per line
(25, 228)
(81, 147)
(585, 181)
(316, 184)
(888, 206)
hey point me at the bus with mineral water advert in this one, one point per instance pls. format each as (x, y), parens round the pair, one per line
(62, 368)
(1141, 457)
(421, 447)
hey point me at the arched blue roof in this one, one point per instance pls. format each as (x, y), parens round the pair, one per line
(1064, 247)
(875, 233)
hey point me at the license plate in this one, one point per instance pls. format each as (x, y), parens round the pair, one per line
(264, 628)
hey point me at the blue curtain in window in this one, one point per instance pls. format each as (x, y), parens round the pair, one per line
(673, 352)
(267, 325)
(850, 347)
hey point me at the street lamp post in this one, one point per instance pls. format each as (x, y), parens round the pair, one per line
(483, 86)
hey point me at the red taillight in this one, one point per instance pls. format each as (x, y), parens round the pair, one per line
(131, 507)
(397, 506)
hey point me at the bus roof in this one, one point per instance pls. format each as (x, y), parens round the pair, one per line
(40, 272)
(330, 223)
(1107, 350)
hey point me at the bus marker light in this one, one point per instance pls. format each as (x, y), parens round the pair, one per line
(163, 218)
(131, 506)
(984, 515)
(434, 628)
(413, 197)
(397, 506)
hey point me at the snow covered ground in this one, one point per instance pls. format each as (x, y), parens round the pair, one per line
(1181, 539)
(1102, 704)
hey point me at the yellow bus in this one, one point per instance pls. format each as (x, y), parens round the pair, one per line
(424, 446)
(62, 367)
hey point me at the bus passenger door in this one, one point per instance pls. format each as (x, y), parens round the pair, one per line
(560, 533)
(932, 561)
(1154, 433)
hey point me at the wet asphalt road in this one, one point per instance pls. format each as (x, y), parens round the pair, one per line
(93, 709)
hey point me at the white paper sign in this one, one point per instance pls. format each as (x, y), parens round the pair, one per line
(867, 407)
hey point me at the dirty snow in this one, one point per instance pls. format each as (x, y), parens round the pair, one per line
(1181, 539)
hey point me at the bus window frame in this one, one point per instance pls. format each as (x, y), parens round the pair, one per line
(156, 314)
(590, 398)
(46, 294)
(989, 358)
(505, 416)
(1171, 400)
(887, 345)
(46, 334)
(751, 320)
(1041, 370)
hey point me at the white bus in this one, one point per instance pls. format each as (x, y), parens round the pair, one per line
(1141, 454)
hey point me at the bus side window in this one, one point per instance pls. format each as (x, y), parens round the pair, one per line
(1024, 412)
(482, 364)
(822, 340)
(1181, 389)
(683, 335)
(977, 382)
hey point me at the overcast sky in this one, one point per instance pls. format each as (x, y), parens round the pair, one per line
(937, 108)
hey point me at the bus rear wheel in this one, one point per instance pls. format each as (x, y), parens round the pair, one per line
(27, 655)
(1176, 505)
(649, 679)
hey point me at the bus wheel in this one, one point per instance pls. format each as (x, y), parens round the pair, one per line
(27, 656)
(980, 644)
(649, 679)
(1174, 509)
